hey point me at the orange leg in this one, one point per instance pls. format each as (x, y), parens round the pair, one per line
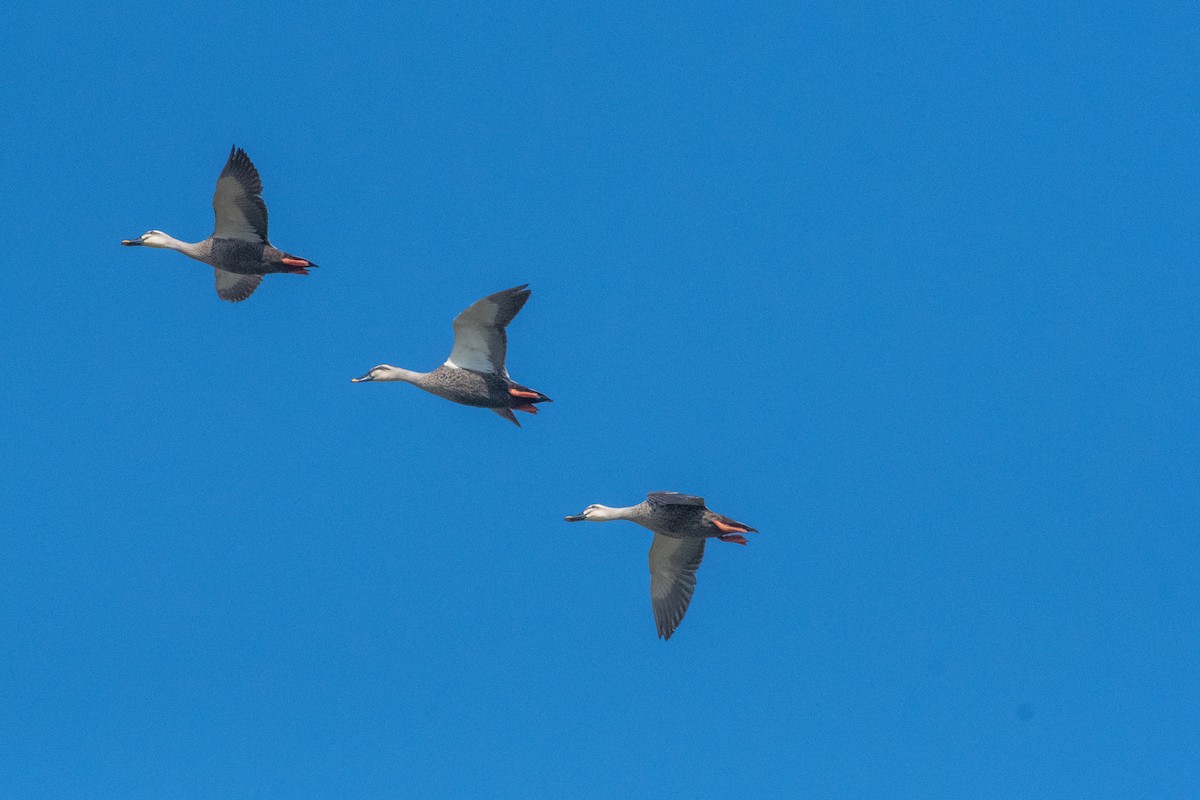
(526, 395)
(526, 409)
(730, 533)
(724, 528)
(295, 262)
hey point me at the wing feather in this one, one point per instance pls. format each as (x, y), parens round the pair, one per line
(659, 499)
(673, 565)
(234, 287)
(237, 202)
(480, 342)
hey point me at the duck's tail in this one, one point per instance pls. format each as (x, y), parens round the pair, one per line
(727, 525)
(294, 265)
(523, 398)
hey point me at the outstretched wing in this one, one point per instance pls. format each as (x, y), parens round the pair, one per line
(237, 202)
(234, 287)
(480, 342)
(673, 565)
(660, 499)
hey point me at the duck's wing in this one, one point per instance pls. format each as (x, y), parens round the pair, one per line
(234, 287)
(673, 565)
(480, 342)
(237, 202)
(660, 499)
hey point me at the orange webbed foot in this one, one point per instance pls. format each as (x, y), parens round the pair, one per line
(727, 528)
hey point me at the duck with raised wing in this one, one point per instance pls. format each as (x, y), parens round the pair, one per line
(475, 374)
(681, 523)
(238, 249)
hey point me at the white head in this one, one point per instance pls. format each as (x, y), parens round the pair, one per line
(149, 239)
(384, 372)
(597, 513)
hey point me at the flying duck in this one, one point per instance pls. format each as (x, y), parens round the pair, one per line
(681, 523)
(238, 249)
(474, 374)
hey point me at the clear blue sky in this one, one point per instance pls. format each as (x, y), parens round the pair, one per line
(913, 290)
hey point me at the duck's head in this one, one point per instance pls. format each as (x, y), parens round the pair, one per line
(148, 239)
(593, 513)
(383, 372)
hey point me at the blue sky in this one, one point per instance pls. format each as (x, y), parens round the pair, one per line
(913, 290)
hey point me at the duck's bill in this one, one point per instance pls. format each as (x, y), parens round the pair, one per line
(131, 242)
(366, 377)
(575, 518)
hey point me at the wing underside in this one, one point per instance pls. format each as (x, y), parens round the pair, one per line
(480, 342)
(234, 287)
(240, 210)
(673, 565)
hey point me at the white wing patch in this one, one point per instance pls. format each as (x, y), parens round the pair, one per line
(473, 349)
(480, 342)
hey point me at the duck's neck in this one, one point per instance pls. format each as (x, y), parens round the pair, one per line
(196, 250)
(607, 514)
(405, 375)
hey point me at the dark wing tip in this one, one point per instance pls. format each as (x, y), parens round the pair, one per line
(241, 167)
(510, 303)
(523, 292)
(667, 617)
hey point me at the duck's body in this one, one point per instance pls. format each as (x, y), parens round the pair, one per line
(238, 249)
(681, 523)
(229, 255)
(475, 374)
(471, 388)
(251, 258)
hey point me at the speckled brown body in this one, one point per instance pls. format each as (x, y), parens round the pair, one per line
(470, 388)
(246, 258)
(679, 516)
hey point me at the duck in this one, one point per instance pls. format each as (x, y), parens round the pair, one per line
(681, 524)
(238, 249)
(475, 373)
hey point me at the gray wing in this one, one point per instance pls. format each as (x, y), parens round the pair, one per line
(234, 287)
(237, 202)
(673, 565)
(480, 342)
(660, 499)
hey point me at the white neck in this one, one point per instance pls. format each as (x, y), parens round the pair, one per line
(400, 374)
(601, 513)
(166, 242)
